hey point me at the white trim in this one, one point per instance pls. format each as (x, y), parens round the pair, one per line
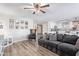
(18, 40)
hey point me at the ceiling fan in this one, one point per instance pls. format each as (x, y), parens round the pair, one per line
(37, 7)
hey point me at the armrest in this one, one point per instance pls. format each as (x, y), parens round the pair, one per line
(77, 44)
(77, 54)
(68, 48)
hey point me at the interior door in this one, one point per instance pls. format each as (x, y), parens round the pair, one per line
(39, 29)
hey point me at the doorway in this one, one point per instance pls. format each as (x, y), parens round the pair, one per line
(39, 29)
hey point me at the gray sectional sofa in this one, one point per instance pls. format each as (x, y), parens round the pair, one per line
(60, 42)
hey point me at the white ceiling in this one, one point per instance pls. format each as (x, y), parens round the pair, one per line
(56, 11)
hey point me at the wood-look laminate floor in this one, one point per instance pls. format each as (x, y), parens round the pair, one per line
(26, 48)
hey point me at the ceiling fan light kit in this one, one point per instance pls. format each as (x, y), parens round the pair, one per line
(37, 7)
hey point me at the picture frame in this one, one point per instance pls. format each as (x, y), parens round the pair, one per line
(22, 22)
(22, 27)
(26, 27)
(17, 27)
(26, 23)
(17, 22)
(1, 26)
(11, 23)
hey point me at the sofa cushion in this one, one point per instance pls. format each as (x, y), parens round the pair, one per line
(46, 37)
(67, 48)
(53, 44)
(60, 37)
(52, 37)
(41, 41)
(70, 39)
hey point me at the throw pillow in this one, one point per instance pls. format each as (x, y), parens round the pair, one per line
(53, 37)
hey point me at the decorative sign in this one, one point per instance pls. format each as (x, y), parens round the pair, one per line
(19, 24)
(1, 26)
(11, 23)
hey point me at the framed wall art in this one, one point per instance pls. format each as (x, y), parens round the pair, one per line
(11, 23)
(26, 23)
(1, 26)
(22, 22)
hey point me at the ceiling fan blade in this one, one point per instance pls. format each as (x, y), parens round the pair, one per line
(36, 4)
(45, 6)
(34, 12)
(28, 8)
(42, 11)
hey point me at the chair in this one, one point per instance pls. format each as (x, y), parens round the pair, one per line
(32, 36)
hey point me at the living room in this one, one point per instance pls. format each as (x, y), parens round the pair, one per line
(35, 29)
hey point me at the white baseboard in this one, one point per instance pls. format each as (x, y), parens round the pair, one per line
(19, 39)
(16, 40)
